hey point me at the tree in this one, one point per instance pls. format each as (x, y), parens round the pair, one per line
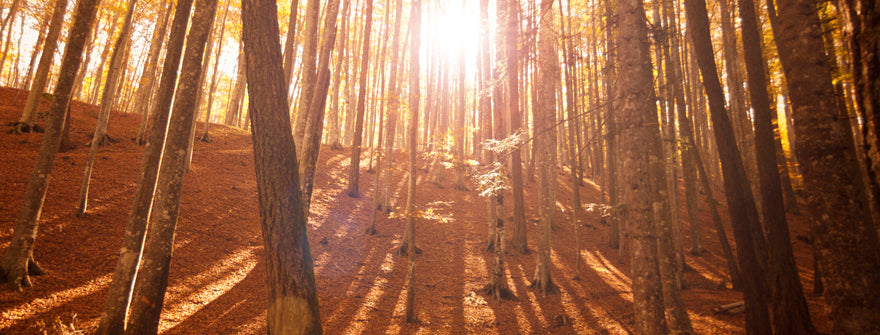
(511, 34)
(639, 139)
(789, 307)
(18, 262)
(314, 128)
(152, 278)
(741, 204)
(118, 299)
(28, 116)
(100, 137)
(393, 97)
(309, 74)
(213, 88)
(293, 300)
(836, 195)
(143, 101)
(354, 172)
(545, 119)
(414, 94)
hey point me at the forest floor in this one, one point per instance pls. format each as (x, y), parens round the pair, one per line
(217, 279)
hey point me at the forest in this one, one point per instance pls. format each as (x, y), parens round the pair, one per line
(440, 166)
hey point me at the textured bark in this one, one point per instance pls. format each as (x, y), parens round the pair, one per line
(28, 116)
(836, 196)
(741, 205)
(18, 260)
(100, 136)
(639, 138)
(293, 301)
(152, 278)
(143, 101)
(119, 294)
(862, 34)
(354, 170)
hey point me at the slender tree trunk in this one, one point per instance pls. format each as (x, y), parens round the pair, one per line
(414, 95)
(28, 117)
(393, 105)
(143, 102)
(205, 137)
(314, 128)
(18, 262)
(640, 156)
(789, 307)
(308, 76)
(354, 172)
(545, 119)
(741, 205)
(116, 304)
(152, 279)
(100, 138)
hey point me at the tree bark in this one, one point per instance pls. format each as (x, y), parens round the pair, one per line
(836, 195)
(116, 304)
(28, 116)
(293, 300)
(545, 119)
(741, 205)
(789, 307)
(314, 128)
(143, 101)
(354, 171)
(100, 136)
(414, 95)
(18, 262)
(152, 278)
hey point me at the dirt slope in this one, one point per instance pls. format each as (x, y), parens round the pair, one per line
(217, 274)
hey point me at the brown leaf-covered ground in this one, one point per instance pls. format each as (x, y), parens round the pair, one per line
(217, 273)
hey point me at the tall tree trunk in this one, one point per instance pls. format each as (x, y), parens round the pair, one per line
(741, 205)
(511, 37)
(340, 69)
(28, 116)
(314, 128)
(116, 304)
(100, 137)
(545, 119)
(354, 169)
(152, 279)
(289, 53)
(393, 106)
(18, 262)
(836, 195)
(415, 27)
(293, 300)
(205, 137)
(789, 307)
